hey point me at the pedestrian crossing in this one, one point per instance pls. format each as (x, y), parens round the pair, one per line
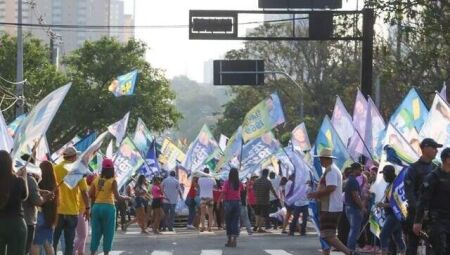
(220, 252)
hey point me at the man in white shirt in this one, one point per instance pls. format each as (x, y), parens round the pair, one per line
(206, 186)
(331, 206)
(171, 190)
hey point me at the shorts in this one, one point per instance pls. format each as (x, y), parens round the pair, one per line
(156, 203)
(207, 201)
(328, 223)
(43, 234)
(262, 210)
(140, 202)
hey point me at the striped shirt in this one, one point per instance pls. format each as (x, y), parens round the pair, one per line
(262, 189)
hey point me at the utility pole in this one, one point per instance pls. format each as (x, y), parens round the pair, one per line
(109, 18)
(19, 67)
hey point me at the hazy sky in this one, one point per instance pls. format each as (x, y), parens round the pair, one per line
(170, 49)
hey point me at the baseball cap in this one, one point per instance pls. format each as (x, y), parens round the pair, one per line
(70, 152)
(445, 154)
(388, 169)
(429, 142)
(107, 163)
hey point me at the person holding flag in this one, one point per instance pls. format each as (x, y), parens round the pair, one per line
(68, 206)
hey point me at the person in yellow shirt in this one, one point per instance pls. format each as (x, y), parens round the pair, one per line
(103, 191)
(68, 204)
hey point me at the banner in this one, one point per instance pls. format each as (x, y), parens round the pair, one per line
(81, 167)
(14, 126)
(262, 118)
(199, 150)
(402, 147)
(302, 181)
(119, 129)
(223, 142)
(38, 120)
(6, 141)
(142, 137)
(360, 113)
(124, 85)
(437, 125)
(232, 153)
(126, 161)
(110, 150)
(327, 138)
(255, 152)
(398, 200)
(375, 128)
(411, 113)
(300, 139)
(171, 155)
(151, 166)
(342, 122)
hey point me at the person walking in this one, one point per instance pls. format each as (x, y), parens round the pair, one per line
(172, 191)
(262, 188)
(218, 204)
(206, 186)
(103, 191)
(231, 193)
(329, 194)
(158, 213)
(82, 227)
(413, 180)
(47, 213)
(13, 190)
(301, 206)
(274, 199)
(141, 203)
(190, 202)
(354, 206)
(392, 227)
(251, 200)
(244, 211)
(435, 200)
(68, 205)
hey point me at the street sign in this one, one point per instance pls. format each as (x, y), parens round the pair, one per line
(300, 4)
(239, 72)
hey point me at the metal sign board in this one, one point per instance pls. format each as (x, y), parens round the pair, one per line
(239, 72)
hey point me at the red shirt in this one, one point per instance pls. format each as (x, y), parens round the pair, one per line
(251, 198)
(192, 192)
(156, 192)
(229, 193)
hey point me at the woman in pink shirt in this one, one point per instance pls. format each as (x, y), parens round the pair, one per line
(158, 213)
(231, 192)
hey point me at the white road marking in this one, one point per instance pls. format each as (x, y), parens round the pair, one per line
(211, 252)
(277, 252)
(157, 252)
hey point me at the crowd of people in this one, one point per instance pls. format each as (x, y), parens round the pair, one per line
(38, 213)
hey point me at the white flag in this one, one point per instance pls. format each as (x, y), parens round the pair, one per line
(342, 122)
(443, 92)
(119, 128)
(42, 150)
(37, 122)
(357, 146)
(437, 124)
(223, 142)
(109, 150)
(6, 141)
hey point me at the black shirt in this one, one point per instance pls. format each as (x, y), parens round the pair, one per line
(17, 193)
(434, 197)
(414, 179)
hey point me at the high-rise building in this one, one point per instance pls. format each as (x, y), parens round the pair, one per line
(67, 12)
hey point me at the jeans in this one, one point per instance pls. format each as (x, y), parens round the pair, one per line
(13, 235)
(169, 211)
(68, 224)
(354, 216)
(305, 212)
(232, 215)
(392, 228)
(190, 202)
(244, 219)
(103, 225)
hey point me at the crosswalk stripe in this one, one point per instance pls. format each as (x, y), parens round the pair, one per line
(114, 252)
(211, 252)
(277, 252)
(157, 252)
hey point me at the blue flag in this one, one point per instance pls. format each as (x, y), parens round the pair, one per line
(85, 142)
(398, 200)
(124, 85)
(151, 167)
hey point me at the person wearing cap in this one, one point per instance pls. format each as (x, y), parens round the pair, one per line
(392, 228)
(68, 205)
(434, 204)
(172, 191)
(413, 180)
(354, 206)
(329, 195)
(103, 191)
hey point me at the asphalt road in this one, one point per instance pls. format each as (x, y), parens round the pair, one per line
(191, 242)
